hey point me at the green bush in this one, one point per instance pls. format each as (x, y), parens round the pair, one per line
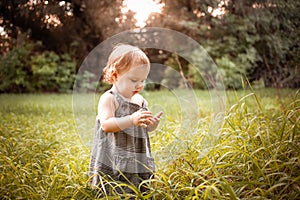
(14, 69)
(171, 79)
(51, 72)
(231, 73)
(24, 70)
(222, 61)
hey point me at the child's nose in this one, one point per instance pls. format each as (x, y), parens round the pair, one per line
(139, 85)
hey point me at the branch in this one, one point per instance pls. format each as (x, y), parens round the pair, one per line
(186, 83)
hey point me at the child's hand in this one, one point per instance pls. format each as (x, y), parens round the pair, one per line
(141, 118)
(154, 121)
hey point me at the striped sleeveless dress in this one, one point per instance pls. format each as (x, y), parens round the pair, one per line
(122, 156)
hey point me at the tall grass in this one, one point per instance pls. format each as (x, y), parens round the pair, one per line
(41, 156)
(255, 156)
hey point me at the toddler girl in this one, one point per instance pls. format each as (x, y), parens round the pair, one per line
(121, 148)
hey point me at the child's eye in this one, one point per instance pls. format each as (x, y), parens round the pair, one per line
(135, 81)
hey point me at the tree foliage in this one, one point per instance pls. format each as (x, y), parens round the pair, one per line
(23, 71)
(257, 39)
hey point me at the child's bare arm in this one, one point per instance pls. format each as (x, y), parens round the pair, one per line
(110, 123)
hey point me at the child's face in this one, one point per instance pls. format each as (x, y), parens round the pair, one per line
(132, 82)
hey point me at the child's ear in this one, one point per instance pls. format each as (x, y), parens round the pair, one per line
(114, 75)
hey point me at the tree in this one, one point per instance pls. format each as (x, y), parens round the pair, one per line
(254, 38)
(61, 26)
(260, 37)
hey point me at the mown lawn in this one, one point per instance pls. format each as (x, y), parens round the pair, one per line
(254, 155)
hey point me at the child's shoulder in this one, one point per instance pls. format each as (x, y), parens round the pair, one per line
(107, 96)
(107, 93)
(106, 102)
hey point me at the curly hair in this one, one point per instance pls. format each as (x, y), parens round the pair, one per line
(121, 59)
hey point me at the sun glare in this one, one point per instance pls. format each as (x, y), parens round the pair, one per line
(2, 32)
(219, 12)
(141, 9)
(52, 20)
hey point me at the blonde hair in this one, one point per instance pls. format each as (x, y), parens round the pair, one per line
(121, 59)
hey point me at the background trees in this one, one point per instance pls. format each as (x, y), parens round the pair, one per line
(257, 39)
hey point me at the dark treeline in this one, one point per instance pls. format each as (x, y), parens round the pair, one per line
(43, 43)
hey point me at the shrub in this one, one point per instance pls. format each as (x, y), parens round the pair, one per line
(14, 69)
(24, 70)
(51, 72)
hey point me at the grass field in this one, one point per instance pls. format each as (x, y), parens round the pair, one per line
(255, 154)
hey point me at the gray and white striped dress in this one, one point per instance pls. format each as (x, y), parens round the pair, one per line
(126, 152)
